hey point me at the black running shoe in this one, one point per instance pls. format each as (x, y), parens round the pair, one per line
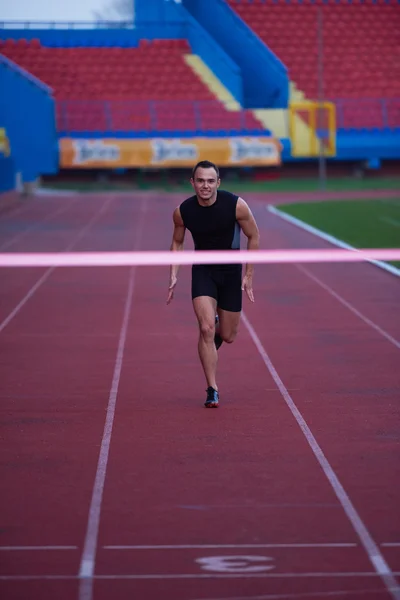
(217, 338)
(212, 398)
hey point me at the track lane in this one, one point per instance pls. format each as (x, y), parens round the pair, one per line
(153, 336)
(179, 474)
(56, 373)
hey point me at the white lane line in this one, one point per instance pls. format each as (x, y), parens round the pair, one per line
(87, 565)
(348, 305)
(371, 548)
(37, 577)
(34, 548)
(49, 271)
(329, 238)
(158, 576)
(300, 575)
(55, 193)
(216, 546)
(199, 546)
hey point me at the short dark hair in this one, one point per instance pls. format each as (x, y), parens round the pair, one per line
(205, 164)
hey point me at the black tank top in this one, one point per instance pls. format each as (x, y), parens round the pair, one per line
(213, 227)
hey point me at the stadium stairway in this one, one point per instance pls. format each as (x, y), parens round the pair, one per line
(273, 120)
(209, 79)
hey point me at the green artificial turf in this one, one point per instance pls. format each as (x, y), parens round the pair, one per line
(360, 223)
(284, 185)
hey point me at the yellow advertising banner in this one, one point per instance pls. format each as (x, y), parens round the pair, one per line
(168, 152)
(4, 143)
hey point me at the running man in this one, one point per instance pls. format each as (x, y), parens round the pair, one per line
(215, 219)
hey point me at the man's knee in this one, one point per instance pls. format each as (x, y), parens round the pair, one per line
(229, 336)
(207, 330)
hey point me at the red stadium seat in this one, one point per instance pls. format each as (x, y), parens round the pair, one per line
(155, 71)
(361, 47)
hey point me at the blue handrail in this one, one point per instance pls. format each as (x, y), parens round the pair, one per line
(12, 65)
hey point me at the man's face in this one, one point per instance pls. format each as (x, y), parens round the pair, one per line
(205, 183)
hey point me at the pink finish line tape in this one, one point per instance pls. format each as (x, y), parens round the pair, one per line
(146, 258)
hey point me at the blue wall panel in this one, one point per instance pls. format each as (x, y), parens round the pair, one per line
(265, 79)
(27, 113)
(205, 46)
(75, 37)
(153, 11)
(7, 174)
(357, 145)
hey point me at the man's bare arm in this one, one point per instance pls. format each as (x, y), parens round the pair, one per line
(249, 227)
(178, 238)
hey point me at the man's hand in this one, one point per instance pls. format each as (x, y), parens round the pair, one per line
(171, 289)
(247, 286)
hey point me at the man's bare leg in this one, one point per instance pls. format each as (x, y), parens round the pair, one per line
(205, 309)
(217, 338)
(228, 325)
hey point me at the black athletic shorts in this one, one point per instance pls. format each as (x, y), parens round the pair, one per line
(223, 284)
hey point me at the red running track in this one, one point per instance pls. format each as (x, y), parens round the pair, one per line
(117, 483)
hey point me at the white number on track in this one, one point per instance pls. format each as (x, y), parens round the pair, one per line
(235, 563)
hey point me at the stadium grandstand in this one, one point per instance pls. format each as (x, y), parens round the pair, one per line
(264, 82)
